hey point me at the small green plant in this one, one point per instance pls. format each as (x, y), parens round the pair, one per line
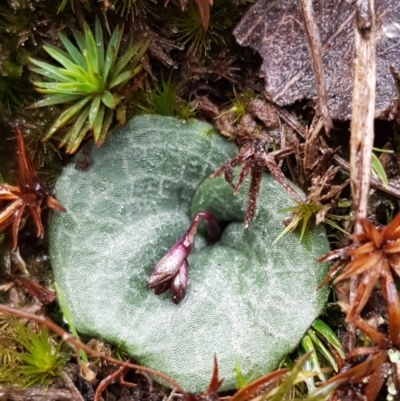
(63, 4)
(163, 99)
(295, 377)
(302, 213)
(28, 358)
(241, 381)
(89, 81)
(312, 342)
(378, 170)
(239, 104)
(187, 27)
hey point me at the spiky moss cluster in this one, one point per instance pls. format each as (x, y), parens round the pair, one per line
(188, 27)
(89, 81)
(163, 99)
(248, 301)
(27, 357)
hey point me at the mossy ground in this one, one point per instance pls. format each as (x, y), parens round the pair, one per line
(187, 73)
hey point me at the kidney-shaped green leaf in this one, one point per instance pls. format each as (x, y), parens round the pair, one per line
(249, 302)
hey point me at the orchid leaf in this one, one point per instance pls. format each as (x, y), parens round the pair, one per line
(249, 301)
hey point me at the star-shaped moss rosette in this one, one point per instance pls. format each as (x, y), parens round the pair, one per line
(89, 80)
(247, 301)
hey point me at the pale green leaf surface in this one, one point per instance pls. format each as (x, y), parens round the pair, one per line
(77, 75)
(141, 50)
(249, 302)
(112, 51)
(107, 121)
(127, 57)
(76, 133)
(99, 45)
(65, 117)
(109, 100)
(90, 52)
(325, 331)
(56, 99)
(80, 39)
(98, 122)
(49, 71)
(72, 51)
(61, 56)
(94, 110)
(121, 78)
(68, 88)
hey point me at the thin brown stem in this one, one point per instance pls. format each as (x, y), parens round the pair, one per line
(75, 343)
(315, 49)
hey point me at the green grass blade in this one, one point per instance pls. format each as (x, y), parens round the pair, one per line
(322, 349)
(112, 51)
(76, 141)
(327, 333)
(75, 88)
(108, 119)
(95, 79)
(289, 379)
(56, 99)
(50, 76)
(48, 70)
(91, 56)
(76, 134)
(123, 61)
(62, 57)
(109, 100)
(308, 346)
(336, 226)
(121, 79)
(75, 54)
(77, 76)
(323, 393)
(99, 45)
(288, 228)
(66, 116)
(79, 39)
(379, 170)
(109, 60)
(142, 49)
(94, 110)
(98, 122)
(138, 50)
(304, 224)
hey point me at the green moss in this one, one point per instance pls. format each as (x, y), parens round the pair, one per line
(27, 357)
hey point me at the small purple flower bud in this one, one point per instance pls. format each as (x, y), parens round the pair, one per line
(172, 270)
(180, 283)
(166, 269)
(161, 288)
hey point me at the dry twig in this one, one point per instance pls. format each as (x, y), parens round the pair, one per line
(362, 124)
(315, 49)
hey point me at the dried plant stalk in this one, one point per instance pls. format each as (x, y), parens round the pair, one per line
(315, 48)
(362, 123)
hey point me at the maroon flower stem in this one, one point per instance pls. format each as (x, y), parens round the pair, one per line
(171, 271)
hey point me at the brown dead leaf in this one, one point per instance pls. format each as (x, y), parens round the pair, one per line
(204, 10)
(278, 35)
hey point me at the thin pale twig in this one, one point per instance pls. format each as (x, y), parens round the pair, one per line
(315, 49)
